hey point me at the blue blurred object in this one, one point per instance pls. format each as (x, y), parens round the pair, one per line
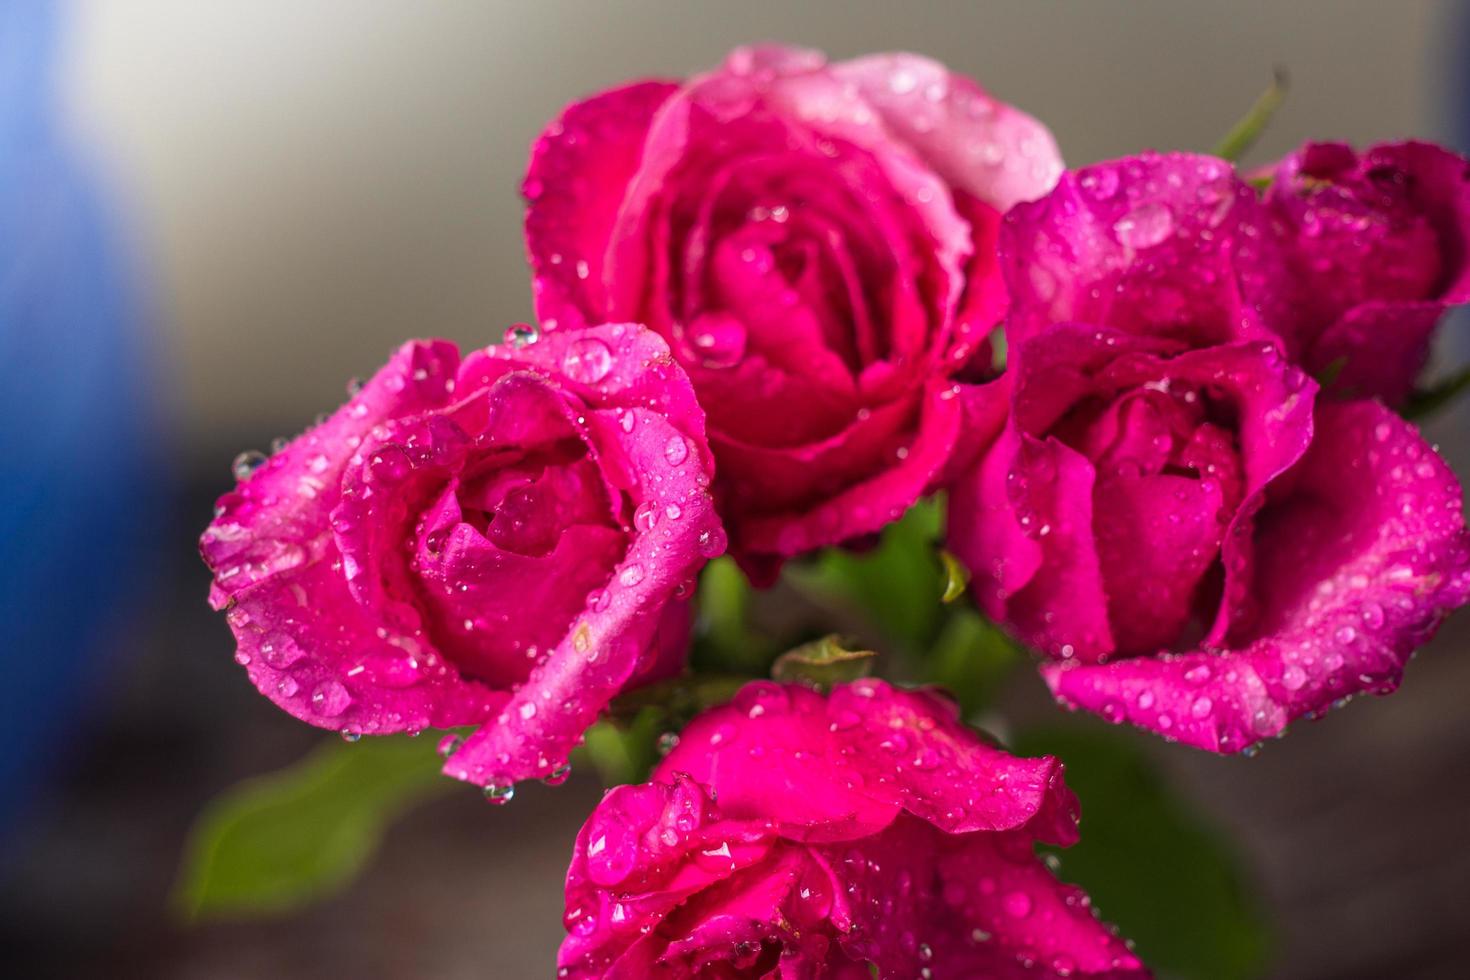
(79, 452)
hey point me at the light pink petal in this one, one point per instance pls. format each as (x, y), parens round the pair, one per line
(977, 143)
(1358, 561)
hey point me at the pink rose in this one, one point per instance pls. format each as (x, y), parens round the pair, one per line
(1379, 246)
(501, 542)
(816, 243)
(795, 835)
(1200, 544)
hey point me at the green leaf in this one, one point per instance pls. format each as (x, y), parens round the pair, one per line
(725, 640)
(956, 577)
(1426, 401)
(1329, 374)
(1153, 867)
(822, 663)
(971, 658)
(279, 841)
(626, 751)
(896, 585)
(999, 349)
(1243, 134)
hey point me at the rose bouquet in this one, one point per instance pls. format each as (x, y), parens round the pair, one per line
(856, 326)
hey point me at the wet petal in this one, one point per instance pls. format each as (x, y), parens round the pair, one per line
(1358, 562)
(305, 640)
(1160, 244)
(575, 183)
(990, 150)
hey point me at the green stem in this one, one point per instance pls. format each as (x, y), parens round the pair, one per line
(1431, 400)
(1245, 132)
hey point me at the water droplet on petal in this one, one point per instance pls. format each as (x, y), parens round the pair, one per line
(247, 463)
(588, 360)
(1145, 226)
(712, 542)
(676, 450)
(330, 698)
(521, 335)
(1017, 904)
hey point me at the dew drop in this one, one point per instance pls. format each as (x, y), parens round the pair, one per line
(712, 542)
(1145, 226)
(247, 463)
(521, 335)
(330, 698)
(676, 450)
(588, 360)
(1017, 905)
(646, 516)
(499, 794)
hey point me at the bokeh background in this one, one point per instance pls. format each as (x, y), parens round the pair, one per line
(213, 214)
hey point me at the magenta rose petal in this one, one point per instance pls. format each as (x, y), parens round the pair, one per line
(867, 826)
(910, 748)
(1028, 913)
(868, 505)
(1164, 244)
(1379, 246)
(1369, 553)
(1377, 349)
(571, 184)
(657, 845)
(818, 250)
(505, 541)
(305, 641)
(760, 752)
(648, 432)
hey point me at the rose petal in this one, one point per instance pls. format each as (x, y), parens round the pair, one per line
(866, 505)
(886, 750)
(645, 850)
(666, 469)
(910, 748)
(761, 755)
(1368, 553)
(574, 186)
(977, 143)
(1160, 244)
(306, 642)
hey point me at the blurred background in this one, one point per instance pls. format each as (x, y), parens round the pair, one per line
(213, 214)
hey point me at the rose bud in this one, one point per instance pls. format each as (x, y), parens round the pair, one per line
(502, 542)
(1378, 250)
(1199, 544)
(816, 242)
(795, 835)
